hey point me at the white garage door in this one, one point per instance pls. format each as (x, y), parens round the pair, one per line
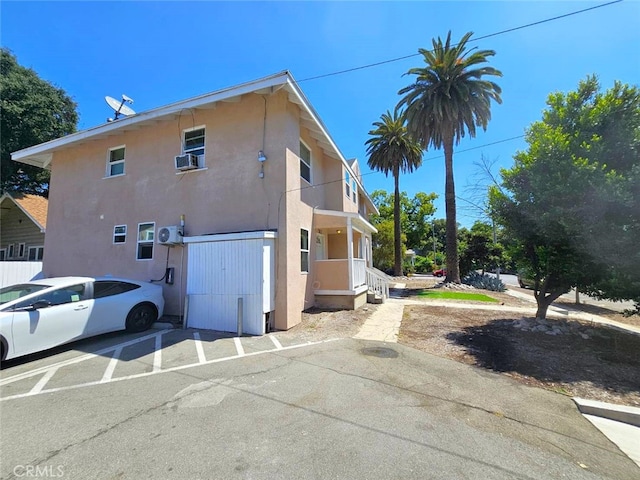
(223, 268)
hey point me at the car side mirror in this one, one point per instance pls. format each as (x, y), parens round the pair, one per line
(41, 304)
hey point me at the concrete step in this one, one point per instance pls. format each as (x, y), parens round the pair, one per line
(374, 298)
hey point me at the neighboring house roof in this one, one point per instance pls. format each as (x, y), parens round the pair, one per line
(42, 154)
(34, 206)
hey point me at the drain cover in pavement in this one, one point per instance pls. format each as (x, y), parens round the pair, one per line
(381, 352)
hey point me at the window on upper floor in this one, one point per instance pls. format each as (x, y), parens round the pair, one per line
(120, 234)
(305, 162)
(304, 250)
(347, 184)
(10, 250)
(21, 250)
(354, 191)
(115, 162)
(3, 254)
(146, 235)
(193, 143)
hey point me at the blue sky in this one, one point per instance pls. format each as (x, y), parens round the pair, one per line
(160, 52)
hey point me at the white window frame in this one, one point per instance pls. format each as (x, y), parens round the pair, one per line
(354, 190)
(116, 234)
(304, 251)
(21, 250)
(117, 162)
(11, 250)
(148, 240)
(347, 184)
(39, 253)
(310, 181)
(184, 149)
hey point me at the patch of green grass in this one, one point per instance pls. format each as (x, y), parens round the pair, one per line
(448, 295)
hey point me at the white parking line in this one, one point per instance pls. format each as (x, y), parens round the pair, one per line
(276, 342)
(173, 369)
(199, 349)
(108, 373)
(88, 356)
(239, 348)
(43, 381)
(157, 355)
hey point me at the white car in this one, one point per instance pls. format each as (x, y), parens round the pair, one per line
(42, 314)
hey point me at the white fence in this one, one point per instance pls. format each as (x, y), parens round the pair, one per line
(18, 272)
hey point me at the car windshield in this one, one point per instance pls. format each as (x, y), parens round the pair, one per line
(8, 294)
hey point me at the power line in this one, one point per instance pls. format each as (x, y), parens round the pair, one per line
(476, 148)
(426, 159)
(417, 54)
(397, 59)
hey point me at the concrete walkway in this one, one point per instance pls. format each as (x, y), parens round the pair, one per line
(384, 326)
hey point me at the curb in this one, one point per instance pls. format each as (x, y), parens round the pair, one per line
(619, 413)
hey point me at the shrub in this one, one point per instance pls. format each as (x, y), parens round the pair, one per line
(484, 282)
(423, 264)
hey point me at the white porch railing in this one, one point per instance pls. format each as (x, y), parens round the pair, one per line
(377, 283)
(359, 272)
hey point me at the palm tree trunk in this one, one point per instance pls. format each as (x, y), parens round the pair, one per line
(397, 243)
(451, 249)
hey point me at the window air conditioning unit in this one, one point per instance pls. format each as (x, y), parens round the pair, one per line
(169, 235)
(188, 161)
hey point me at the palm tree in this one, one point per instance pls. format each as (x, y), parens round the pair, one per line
(448, 99)
(390, 149)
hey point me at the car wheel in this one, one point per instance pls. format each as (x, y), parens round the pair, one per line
(3, 349)
(141, 317)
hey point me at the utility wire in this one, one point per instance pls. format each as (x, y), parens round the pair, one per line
(397, 59)
(426, 159)
(417, 54)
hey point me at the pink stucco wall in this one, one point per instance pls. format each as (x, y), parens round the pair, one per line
(227, 196)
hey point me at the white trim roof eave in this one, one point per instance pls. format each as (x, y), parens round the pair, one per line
(41, 155)
(354, 216)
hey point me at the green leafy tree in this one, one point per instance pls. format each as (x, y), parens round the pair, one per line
(383, 247)
(572, 200)
(439, 231)
(481, 251)
(420, 210)
(448, 99)
(415, 214)
(391, 150)
(32, 111)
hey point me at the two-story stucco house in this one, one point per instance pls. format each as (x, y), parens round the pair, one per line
(236, 194)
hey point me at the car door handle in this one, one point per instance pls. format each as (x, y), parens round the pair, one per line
(80, 307)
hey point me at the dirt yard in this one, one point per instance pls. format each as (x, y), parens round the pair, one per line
(573, 358)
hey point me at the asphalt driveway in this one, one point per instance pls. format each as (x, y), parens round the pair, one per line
(338, 409)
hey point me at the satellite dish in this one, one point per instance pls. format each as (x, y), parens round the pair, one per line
(119, 106)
